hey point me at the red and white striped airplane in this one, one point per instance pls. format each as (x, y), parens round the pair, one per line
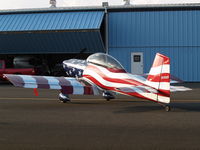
(103, 74)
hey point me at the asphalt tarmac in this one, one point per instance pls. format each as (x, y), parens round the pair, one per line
(30, 123)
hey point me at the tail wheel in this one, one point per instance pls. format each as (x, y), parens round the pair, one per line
(167, 108)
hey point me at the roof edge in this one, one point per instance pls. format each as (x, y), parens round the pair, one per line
(100, 8)
(46, 10)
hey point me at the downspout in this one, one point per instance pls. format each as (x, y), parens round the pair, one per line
(106, 30)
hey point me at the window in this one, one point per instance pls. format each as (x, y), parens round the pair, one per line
(136, 58)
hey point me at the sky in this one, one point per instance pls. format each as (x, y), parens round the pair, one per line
(20, 4)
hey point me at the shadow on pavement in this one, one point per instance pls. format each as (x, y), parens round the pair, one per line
(175, 107)
(185, 107)
(5, 83)
(135, 109)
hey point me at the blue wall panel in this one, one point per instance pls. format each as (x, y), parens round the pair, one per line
(185, 62)
(154, 28)
(174, 33)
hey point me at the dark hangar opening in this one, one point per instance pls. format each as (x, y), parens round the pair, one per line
(51, 36)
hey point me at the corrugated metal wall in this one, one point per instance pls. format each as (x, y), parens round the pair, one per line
(185, 61)
(53, 32)
(174, 33)
(51, 21)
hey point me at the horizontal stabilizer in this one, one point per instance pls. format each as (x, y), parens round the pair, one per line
(179, 88)
(173, 79)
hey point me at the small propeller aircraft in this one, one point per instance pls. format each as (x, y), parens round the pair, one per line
(103, 74)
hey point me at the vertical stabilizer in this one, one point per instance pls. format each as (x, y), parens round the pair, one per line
(159, 77)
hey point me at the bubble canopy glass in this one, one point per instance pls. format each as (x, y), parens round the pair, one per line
(105, 60)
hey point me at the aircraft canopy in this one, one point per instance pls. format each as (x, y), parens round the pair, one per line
(105, 60)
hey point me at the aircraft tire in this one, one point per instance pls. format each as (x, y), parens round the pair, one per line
(167, 108)
(63, 101)
(108, 96)
(64, 98)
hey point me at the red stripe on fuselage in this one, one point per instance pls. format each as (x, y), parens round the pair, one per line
(118, 89)
(111, 88)
(115, 80)
(164, 92)
(116, 70)
(97, 82)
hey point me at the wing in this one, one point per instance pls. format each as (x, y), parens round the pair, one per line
(65, 84)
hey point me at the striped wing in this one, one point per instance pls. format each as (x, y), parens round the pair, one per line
(65, 84)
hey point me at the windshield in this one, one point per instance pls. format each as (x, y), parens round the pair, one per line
(104, 60)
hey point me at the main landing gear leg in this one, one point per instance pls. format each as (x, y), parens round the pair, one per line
(64, 98)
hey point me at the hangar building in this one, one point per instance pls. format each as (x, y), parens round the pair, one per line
(132, 34)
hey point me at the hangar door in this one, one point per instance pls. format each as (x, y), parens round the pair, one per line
(137, 63)
(51, 32)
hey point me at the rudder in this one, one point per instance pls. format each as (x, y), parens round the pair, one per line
(159, 77)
